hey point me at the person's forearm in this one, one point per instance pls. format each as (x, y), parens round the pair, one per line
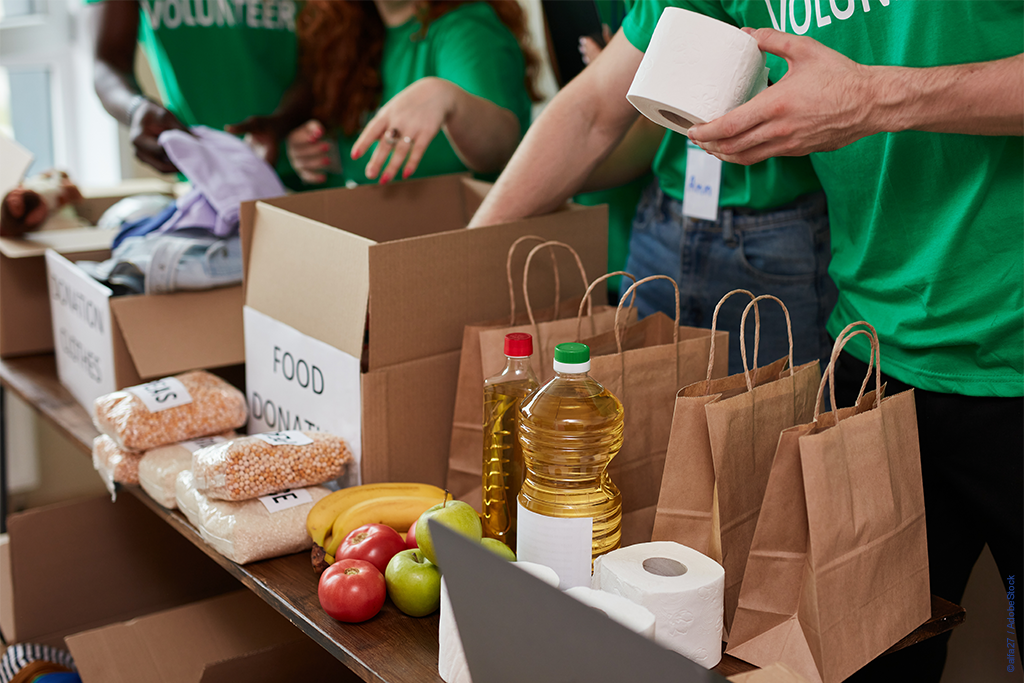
(483, 134)
(631, 159)
(295, 107)
(118, 91)
(554, 160)
(115, 27)
(985, 98)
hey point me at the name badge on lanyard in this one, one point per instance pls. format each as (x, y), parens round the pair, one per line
(703, 183)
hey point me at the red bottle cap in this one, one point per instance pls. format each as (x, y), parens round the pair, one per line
(518, 345)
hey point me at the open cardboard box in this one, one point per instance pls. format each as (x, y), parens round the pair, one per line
(319, 265)
(83, 564)
(230, 638)
(25, 326)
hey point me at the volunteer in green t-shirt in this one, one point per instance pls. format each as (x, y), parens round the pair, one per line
(215, 63)
(767, 234)
(418, 68)
(913, 113)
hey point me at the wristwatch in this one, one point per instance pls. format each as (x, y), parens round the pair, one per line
(133, 106)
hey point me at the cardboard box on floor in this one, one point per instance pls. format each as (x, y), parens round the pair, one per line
(318, 265)
(83, 564)
(25, 326)
(226, 639)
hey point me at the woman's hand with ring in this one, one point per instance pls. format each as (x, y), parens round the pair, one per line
(404, 127)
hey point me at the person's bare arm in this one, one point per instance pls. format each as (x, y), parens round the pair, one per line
(630, 159)
(827, 101)
(577, 130)
(115, 24)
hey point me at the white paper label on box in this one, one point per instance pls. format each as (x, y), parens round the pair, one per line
(296, 382)
(283, 500)
(82, 335)
(703, 183)
(289, 438)
(194, 445)
(562, 543)
(162, 394)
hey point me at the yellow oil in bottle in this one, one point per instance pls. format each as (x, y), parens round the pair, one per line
(502, 455)
(570, 429)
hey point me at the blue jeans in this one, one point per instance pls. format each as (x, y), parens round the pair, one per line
(783, 252)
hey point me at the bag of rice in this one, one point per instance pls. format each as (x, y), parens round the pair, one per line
(159, 466)
(253, 466)
(170, 410)
(114, 464)
(250, 530)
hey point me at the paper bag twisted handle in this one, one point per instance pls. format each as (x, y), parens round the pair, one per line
(714, 328)
(874, 362)
(511, 285)
(586, 298)
(757, 335)
(526, 296)
(675, 327)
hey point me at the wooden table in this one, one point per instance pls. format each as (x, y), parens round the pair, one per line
(390, 647)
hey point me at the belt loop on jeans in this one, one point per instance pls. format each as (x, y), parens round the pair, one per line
(728, 234)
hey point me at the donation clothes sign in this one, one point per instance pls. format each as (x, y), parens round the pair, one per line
(80, 311)
(296, 382)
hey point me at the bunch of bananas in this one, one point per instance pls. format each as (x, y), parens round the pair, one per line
(397, 504)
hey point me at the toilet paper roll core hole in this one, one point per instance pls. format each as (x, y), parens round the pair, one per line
(675, 118)
(663, 566)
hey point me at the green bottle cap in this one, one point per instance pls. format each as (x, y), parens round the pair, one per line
(572, 353)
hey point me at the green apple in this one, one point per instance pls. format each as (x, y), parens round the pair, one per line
(458, 516)
(498, 548)
(414, 583)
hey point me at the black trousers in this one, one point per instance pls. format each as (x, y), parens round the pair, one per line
(972, 465)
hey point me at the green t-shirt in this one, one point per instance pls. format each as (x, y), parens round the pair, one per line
(217, 62)
(468, 46)
(765, 185)
(927, 228)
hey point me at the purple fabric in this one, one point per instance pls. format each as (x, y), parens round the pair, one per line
(224, 172)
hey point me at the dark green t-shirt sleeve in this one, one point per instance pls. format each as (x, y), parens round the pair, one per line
(476, 52)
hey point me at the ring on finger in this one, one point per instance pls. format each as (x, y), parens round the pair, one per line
(407, 140)
(391, 137)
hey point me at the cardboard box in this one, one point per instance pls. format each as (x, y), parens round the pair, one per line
(87, 563)
(226, 639)
(25, 326)
(319, 265)
(104, 343)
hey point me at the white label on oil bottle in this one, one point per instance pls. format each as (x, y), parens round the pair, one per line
(562, 543)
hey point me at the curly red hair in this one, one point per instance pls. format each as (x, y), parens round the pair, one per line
(341, 45)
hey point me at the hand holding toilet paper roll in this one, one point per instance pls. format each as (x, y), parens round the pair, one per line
(681, 587)
(636, 618)
(696, 69)
(451, 658)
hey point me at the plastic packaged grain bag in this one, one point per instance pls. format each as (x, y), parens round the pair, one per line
(159, 466)
(254, 466)
(250, 530)
(114, 464)
(170, 410)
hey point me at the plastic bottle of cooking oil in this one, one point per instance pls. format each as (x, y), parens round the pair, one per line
(503, 458)
(569, 510)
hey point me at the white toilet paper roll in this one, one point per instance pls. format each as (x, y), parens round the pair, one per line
(636, 618)
(695, 69)
(451, 658)
(683, 588)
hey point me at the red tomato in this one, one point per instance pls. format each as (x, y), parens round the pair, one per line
(374, 543)
(351, 590)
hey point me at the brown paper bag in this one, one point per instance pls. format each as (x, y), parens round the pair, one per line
(776, 673)
(644, 365)
(838, 567)
(483, 356)
(724, 434)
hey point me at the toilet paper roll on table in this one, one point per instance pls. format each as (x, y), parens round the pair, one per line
(681, 587)
(451, 658)
(696, 69)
